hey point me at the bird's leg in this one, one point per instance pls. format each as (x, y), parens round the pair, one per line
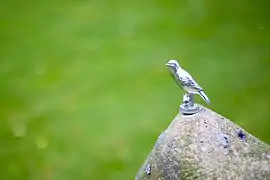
(189, 107)
(186, 100)
(191, 99)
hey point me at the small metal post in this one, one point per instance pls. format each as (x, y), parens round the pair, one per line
(188, 107)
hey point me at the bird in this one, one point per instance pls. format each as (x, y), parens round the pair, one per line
(185, 80)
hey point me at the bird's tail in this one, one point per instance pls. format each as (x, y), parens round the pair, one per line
(205, 98)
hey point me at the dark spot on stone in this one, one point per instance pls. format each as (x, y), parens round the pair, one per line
(226, 144)
(201, 141)
(223, 139)
(241, 134)
(148, 169)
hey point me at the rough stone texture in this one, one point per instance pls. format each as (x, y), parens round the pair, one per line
(206, 146)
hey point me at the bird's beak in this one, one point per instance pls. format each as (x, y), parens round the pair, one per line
(167, 64)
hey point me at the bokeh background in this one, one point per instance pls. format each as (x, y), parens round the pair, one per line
(85, 92)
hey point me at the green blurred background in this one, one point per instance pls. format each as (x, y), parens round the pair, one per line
(85, 91)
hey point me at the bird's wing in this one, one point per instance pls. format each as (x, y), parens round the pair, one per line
(188, 81)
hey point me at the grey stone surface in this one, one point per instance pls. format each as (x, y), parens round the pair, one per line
(206, 146)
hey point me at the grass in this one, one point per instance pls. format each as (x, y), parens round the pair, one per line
(84, 90)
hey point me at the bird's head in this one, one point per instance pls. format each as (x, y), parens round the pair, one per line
(173, 64)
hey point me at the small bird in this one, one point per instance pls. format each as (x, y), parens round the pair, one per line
(185, 81)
